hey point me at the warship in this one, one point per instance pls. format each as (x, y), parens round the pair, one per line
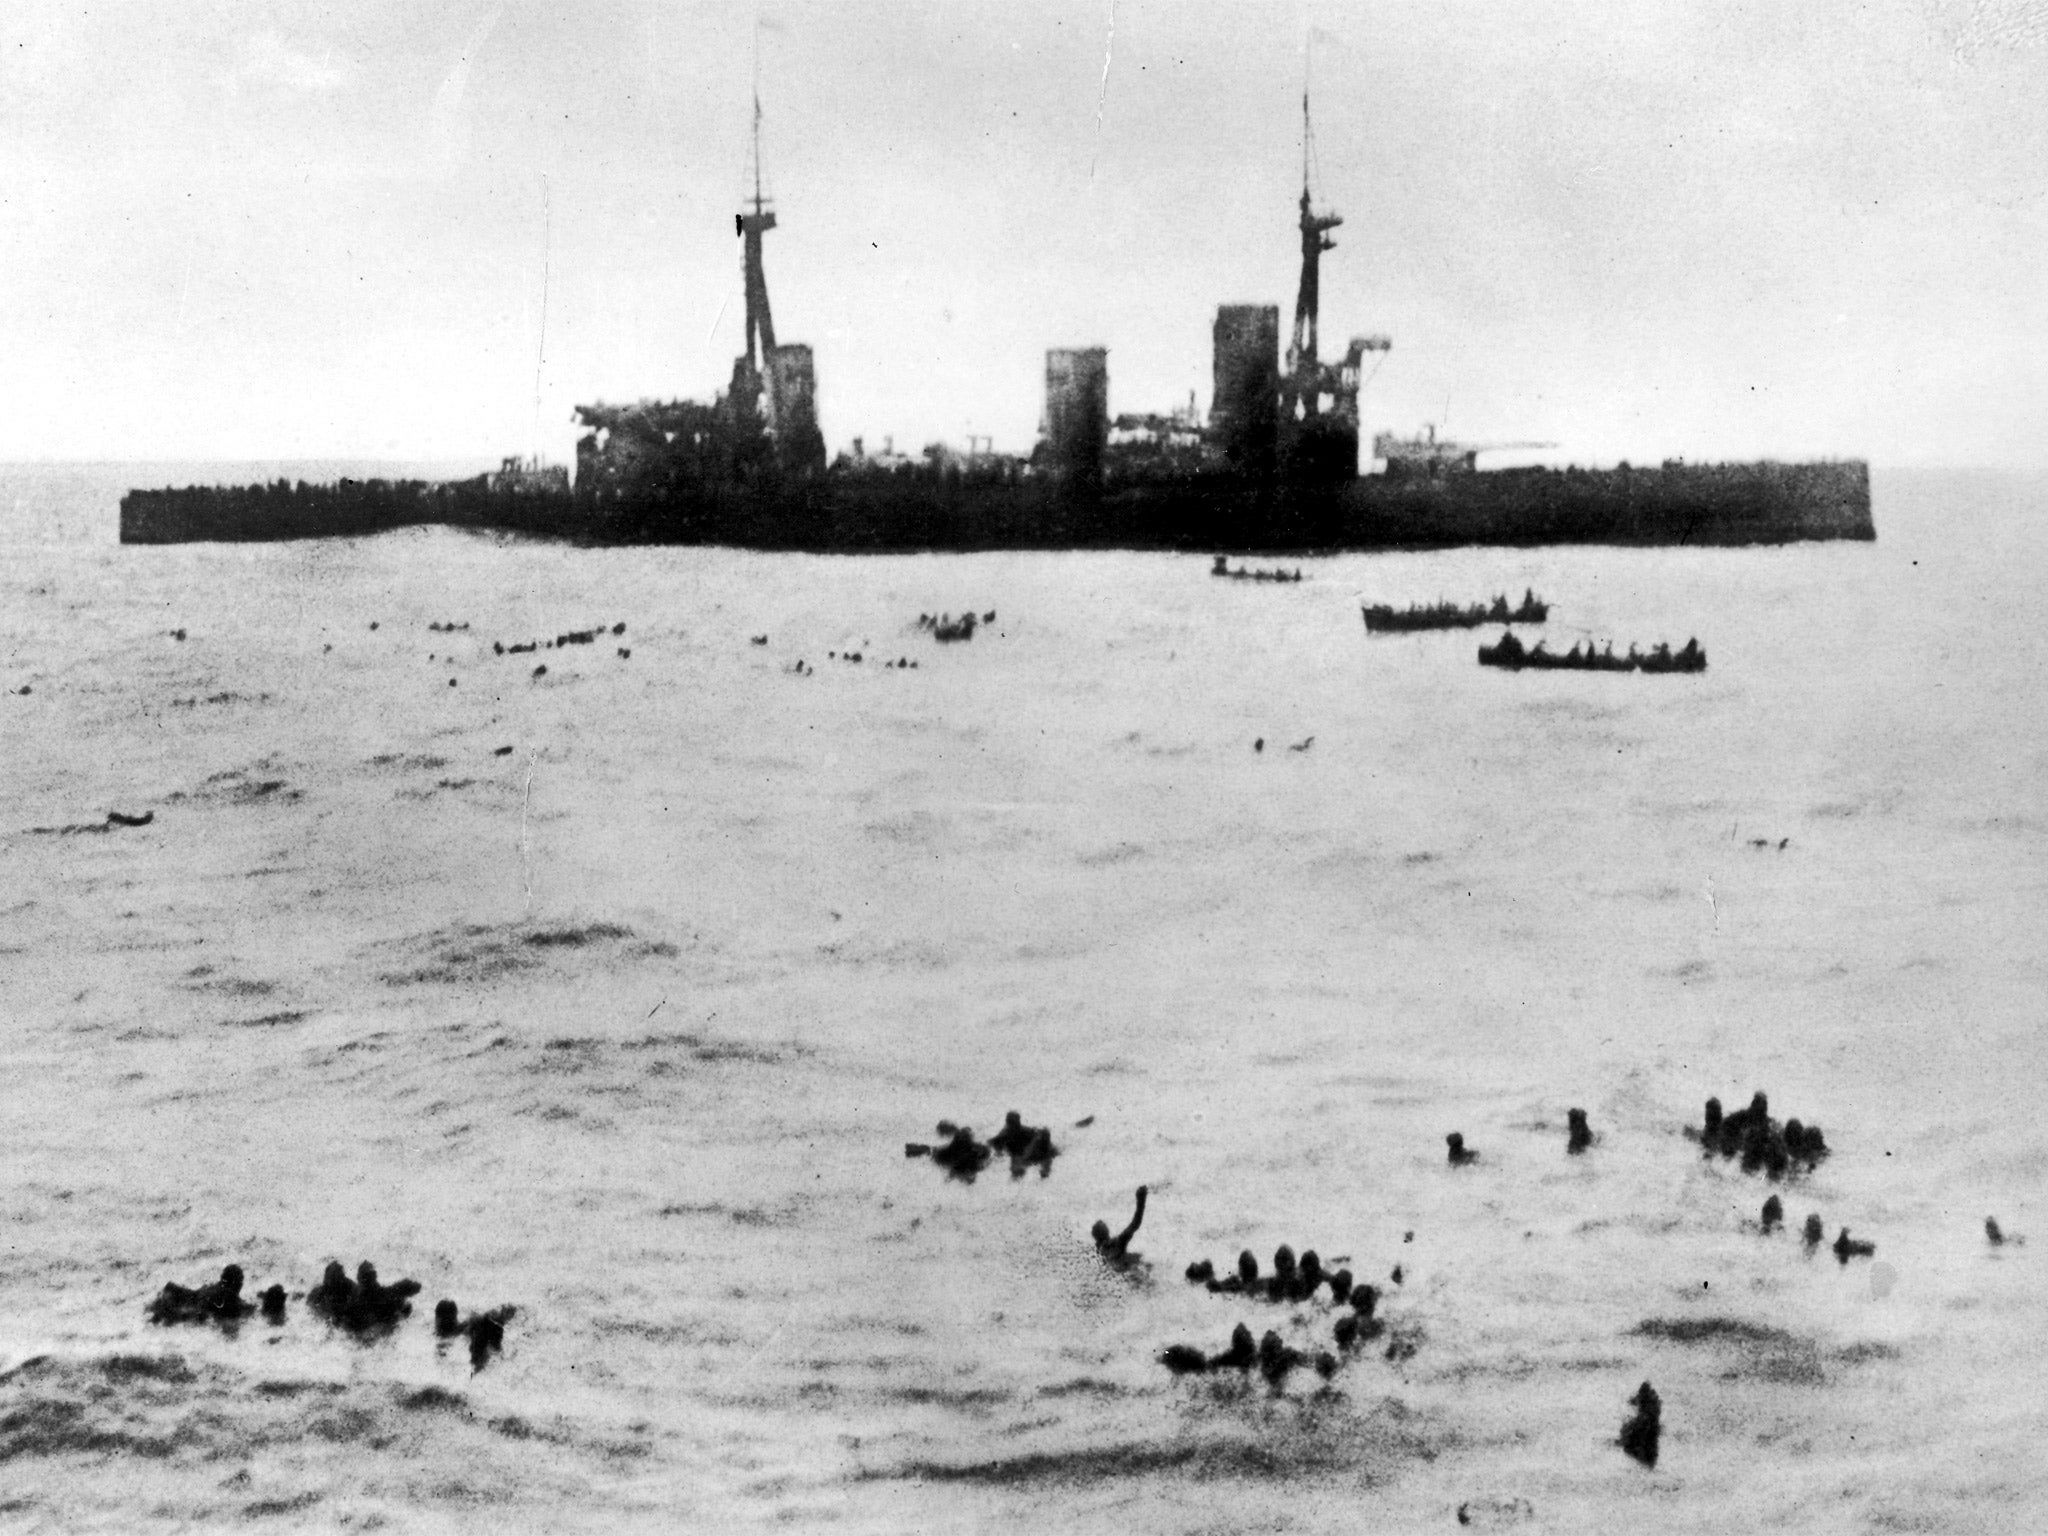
(1273, 468)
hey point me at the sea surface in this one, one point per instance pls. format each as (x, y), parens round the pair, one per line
(614, 993)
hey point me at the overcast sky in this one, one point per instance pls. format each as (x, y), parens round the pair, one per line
(1640, 229)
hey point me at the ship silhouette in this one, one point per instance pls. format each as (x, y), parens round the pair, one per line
(1274, 468)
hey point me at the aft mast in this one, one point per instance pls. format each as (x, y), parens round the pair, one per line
(1318, 400)
(774, 386)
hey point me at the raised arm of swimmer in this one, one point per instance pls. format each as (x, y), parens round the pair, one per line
(1117, 1247)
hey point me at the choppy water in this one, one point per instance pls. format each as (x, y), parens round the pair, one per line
(628, 1026)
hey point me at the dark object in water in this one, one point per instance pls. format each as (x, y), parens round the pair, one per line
(1774, 1214)
(1805, 1143)
(1222, 568)
(218, 1302)
(760, 640)
(1382, 619)
(541, 670)
(179, 634)
(1026, 1146)
(272, 1304)
(1813, 1232)
(1511, 654)
(376, 1305)
(1765, 1147)
(1276, 1359)
(1184, 1359)
(1995, 1235)
(501, 751)
(1640, 1434)
(962, 1156)
(1241, 1353)
(1259, 745)
(1581, 1133)
(1395, 1276)
(1038, 1153)
(1201, 1272)
(1308, 1275)
(1360, 1324)
(1340, 1287)
(1459, 1155)
(1326, 1364)
(1303, 745)
(1246, 1279)
(334, 1292)
(1735, 1127)
(1847, 1248)
(1280, 1287)
(364, 1304)
(946, 629)
(116, 819)
(1117, 1249)
(486, 1330)
(486, 1337)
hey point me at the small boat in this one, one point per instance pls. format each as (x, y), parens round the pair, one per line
(1223, 568)
(1382, 619)
(1510, 654)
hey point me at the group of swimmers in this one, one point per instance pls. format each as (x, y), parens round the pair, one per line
(563, 640)
(1271, 1355)
(943, 626)
(364, 1306)
(1761, 1141)
(1292, 1280)
(1298, 1280)
(1764, 1145)
(1578, 1137)
(1026, 1146)
(1813, 1234)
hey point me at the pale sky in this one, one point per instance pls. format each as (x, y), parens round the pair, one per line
(1640, 229)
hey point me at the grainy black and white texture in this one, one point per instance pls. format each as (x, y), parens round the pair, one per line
(611, 993)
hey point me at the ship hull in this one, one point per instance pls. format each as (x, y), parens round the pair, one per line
(865, 514)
